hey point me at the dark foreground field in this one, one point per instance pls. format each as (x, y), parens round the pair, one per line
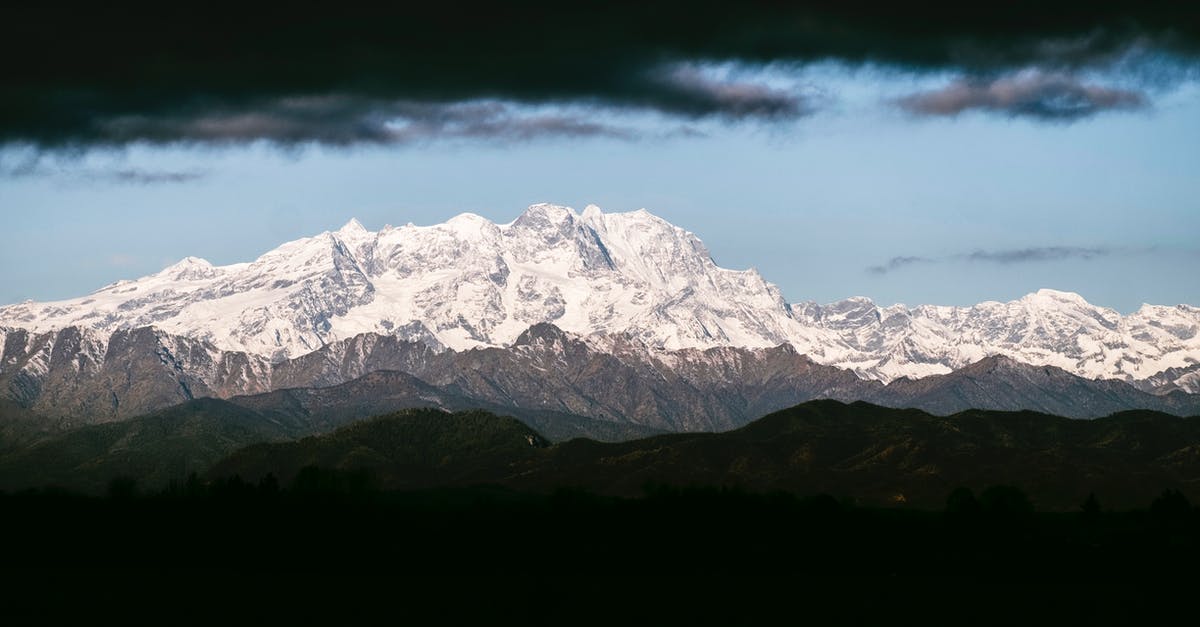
(330, 546)
(425, 517)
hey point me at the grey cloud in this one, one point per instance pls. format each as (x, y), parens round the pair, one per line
(343, 121)
(36, 168)
(150, 177)
(1037, 95)
(895, 263)
(1046, 253)
(731, 99)
(1008, 256)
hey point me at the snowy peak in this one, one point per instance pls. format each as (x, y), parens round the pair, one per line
(1051, 297)
(545, 216)
(994, 364)
(469, 281)
(189, 269)
(352, 228)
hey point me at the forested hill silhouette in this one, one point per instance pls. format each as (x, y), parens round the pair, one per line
(862, 452)
(416, 448)
(172, 443)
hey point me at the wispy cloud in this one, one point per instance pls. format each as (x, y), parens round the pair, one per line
(1041, 253)
(348, 120)
(151, 177)
(345, 120)
(1007, 256)
(732, 99)
(895, 263)
(1047, 97)
(121, 260)
(38, 168)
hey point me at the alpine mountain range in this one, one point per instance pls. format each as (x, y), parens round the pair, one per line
(610, 325)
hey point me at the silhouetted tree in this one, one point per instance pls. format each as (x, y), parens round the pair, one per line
(232, 489)
(192, 487)
(1005, 501)
(962, 503)
(1090, 507)
(568, 499)
(268, 486)
(1171, 507)
(310, 480)
(822, 505)
(361, 483)
(122, 488)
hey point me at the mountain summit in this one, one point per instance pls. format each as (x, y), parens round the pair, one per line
(471, 283)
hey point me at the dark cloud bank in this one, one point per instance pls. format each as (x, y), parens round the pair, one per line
(343, 74)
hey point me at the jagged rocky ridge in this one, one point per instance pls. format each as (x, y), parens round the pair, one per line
(629, 278)
(562, 384)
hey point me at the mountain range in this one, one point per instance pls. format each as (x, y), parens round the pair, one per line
(606, 325)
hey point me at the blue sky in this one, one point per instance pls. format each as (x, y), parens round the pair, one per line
(1107, 206)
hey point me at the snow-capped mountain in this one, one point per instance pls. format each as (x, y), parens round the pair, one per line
(467, 283)
(1047, 327)
(618, 279)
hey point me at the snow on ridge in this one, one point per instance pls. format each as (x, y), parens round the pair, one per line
(1046, 327)
(472, 282)
(469, 283)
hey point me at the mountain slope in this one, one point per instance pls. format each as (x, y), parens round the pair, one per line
(410, 449)
(19, 426)
(381, 392)
(79, 376)
(188, 437)
(154, 449)
(1004, 384)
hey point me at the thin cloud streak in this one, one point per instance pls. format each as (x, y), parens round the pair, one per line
(150, 177)
(1045, 253)
(36, 168)
(121, 260)
(346, 121)
(1033, 254)
(1036, 95)
(895, 263)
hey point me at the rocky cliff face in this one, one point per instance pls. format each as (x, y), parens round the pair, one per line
(76, 375)
(547, 372)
